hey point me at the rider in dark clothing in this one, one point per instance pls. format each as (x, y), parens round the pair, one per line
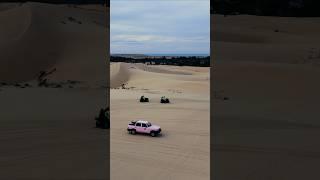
(103, 120)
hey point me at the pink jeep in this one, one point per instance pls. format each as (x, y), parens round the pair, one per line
(144, 127)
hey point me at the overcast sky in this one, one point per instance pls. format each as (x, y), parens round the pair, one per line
(160, 26)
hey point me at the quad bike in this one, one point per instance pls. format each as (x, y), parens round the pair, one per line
(103, 120)
(164, 100)
(144, 99)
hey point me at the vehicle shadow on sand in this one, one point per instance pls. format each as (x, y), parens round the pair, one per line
(161, 135)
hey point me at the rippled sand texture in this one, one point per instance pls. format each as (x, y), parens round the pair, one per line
(268, 68)
(182, 151)
(49, 132)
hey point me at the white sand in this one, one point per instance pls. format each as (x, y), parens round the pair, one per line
(182, 152)
(269, 128)
(49, 133)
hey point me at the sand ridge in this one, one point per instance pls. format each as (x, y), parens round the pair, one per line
(159, 77)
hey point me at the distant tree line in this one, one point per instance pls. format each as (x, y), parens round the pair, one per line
(289, 8)
(176, 61)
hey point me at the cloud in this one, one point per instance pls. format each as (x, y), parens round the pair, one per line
(160, 26)
(143, 38)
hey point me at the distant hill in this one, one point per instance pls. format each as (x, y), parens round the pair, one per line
(289, 8)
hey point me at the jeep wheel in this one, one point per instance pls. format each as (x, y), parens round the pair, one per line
(153, 134)
(133, 131)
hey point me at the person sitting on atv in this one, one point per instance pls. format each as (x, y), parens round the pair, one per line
(164, 100)
(103, 120)
(107, 113)
(144, 99)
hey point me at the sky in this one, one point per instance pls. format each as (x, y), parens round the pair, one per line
(160, 26)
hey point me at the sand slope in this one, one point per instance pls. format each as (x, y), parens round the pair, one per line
(256, 40)
(24, 27)
(50, 36)
(268, 128)
(160, 77)
(49, 133)
(182, 152)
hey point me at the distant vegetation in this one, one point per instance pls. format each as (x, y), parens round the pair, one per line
(290, 8)
(176, 61)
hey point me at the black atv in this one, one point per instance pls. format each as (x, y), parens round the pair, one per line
(103, 120)
(144, 99)
(164, 100)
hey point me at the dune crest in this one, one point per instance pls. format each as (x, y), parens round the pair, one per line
(164, 78)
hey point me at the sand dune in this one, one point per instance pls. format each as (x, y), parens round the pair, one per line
(49, 133)
(119, 74)
(38, 24)
(270, 121)
(148, 77)
(7, 6)
(182, 152)
(30, 24)
(267, 39)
